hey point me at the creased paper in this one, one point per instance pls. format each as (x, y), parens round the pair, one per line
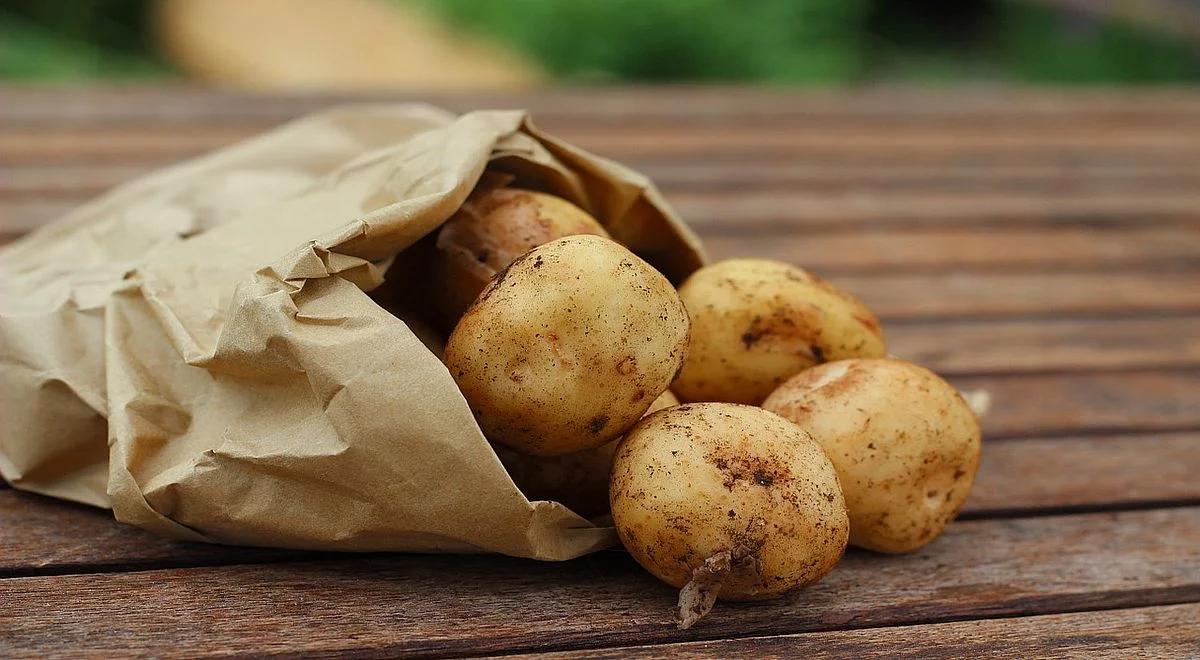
(206, 350)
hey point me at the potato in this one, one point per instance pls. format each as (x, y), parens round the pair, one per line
(492, 229)
(756, 322)
(578, 480)
(726, 501)
(905, 444)
(566, 348)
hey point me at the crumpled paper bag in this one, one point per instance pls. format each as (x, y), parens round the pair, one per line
(198, 350)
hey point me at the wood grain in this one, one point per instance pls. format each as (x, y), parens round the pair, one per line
(1001, 295)
(884, 248)
(46, 190)
(680, 137)
(44, 536)
(70, 181)
(1065, 404)
(805, 212)
(870, 246)
(804, 173)
(1049, 344)
(1021, 477)
(1170, 631)
(997, 295)
(938, 249)
(1042, 246)
(1086, 473)
(159, 103)
(134, 146)
(447, 605)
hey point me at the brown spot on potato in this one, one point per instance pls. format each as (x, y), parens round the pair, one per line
(598, 423)
(736, 467)
(784, 330)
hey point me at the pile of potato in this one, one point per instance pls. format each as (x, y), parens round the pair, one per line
(796, 434)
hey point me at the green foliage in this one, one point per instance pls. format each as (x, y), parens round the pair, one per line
(775, 40)
(1042, 45)
(69, 39)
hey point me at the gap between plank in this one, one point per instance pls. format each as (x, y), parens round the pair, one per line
(1074, 509)
(302, 556)
(1166, 597)
(669, 646)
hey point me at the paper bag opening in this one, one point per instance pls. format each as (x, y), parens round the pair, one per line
(250, 388)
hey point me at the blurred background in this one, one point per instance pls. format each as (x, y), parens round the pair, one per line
(447, 44)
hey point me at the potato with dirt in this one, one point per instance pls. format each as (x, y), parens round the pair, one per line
(578, 480)
(757, 322)
(566, 348)
(905, 443)
(495, 226)
(727, 501)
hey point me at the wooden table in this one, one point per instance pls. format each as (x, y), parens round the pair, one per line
(1042, 246)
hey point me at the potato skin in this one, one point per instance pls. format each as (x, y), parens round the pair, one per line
(757, 322)
(578, 480)
(566, 348)
(905, 444)
(695, 480)
(494, 227)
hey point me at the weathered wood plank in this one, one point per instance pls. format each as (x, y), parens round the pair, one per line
(882, 248)
(1070, 132)
(67, 179)
(848, 212)
(46, 536)
(939, 214)
(1089, 473)
(70, 182)
(803, 173)
(1041, 345)
(85, 144)
(133, 103)
(23, 216)
(805, 211)
(1068, 404)
(875, 246)
(997, 295)
(1170, 631)
(447, 605)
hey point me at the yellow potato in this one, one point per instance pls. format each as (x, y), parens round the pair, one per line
(755, 323)
(578, 480)
(727, 501)
(905, 444)
(566, 348)
(492, 229)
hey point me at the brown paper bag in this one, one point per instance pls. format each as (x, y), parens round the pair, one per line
(198, 349)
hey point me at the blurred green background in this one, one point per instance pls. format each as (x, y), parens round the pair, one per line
(824, 42)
